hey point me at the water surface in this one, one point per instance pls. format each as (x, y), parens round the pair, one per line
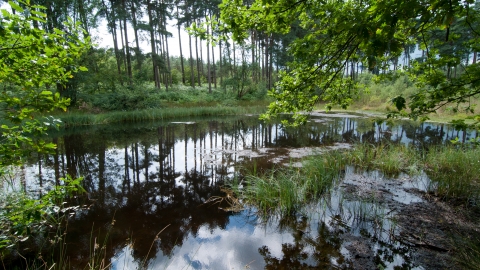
(148, 183)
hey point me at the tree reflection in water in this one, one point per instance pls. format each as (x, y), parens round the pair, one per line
(148, 176)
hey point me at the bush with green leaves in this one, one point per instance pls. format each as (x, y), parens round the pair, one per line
(23, 217)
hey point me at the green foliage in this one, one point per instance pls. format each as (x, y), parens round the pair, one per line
(22, 216)
(33, 62)
(337, 34)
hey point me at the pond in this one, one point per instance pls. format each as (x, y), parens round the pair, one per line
(148, 183)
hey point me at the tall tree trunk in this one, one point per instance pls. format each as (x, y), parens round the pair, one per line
(221, 60)
(270, 62)
(180, 46)
(83, 17)
(192, 75)
(135, 31)
(152, 44)
(113, 30)
(209, 77)
(213, 58)
(253, 45)
(198, 64)
(234, 60)
(123, 46)
(266, 61)
(168, 53)
(127, 47)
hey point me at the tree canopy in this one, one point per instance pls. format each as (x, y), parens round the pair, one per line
(34, 64)
(374, 33)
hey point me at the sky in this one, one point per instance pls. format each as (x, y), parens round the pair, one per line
(104, 39)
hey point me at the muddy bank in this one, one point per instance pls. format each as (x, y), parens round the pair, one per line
(428, 231)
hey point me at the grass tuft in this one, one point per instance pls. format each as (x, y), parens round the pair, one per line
(287, 190)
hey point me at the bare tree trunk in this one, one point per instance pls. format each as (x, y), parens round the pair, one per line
(253, 45)
(234, 60)
(192, 76)
(127, 48)
(123, 46)
(270, 67)
(209, 77)
(221, 60)
(213, 66)
(198, 64)
(152, 43)
(135, 29)
(180, 46)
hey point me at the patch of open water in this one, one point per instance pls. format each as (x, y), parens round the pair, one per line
(156, 177)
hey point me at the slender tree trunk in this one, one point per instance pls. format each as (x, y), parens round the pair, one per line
(123, 46)
(213, 59)
(253, 45)
(234, 60)
(192, 76)
(169, 75)
(221, 60)
(180, 46)
(266, 61)
(127, 47)
(270, 67)
(209, 77)
(135, 31)
(198, 64)
(152, 44)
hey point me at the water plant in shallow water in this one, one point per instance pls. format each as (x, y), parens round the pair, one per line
(286, 190)
(455, 172)
(23, 217)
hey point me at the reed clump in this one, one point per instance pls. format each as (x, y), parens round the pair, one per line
(286, 190)
(455, 172)
(391, 159)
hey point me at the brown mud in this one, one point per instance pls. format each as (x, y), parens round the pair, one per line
(430, 227)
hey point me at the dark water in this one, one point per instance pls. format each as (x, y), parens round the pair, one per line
(148, 178)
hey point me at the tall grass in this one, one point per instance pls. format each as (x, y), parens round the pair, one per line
(79, 119)
(389, 158)
(455, 171)
(287, 190)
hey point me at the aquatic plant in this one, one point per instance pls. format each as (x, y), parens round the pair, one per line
(455, 172)
(391, 159)
(286, 190)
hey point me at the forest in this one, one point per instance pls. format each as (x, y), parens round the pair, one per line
(305, 69)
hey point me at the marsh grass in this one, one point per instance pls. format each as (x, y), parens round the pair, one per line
(81, 119)
(468, 250)
(391, 159)
(287, 190)
(455, 172)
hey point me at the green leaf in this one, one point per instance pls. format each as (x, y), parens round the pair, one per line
(15, 6)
